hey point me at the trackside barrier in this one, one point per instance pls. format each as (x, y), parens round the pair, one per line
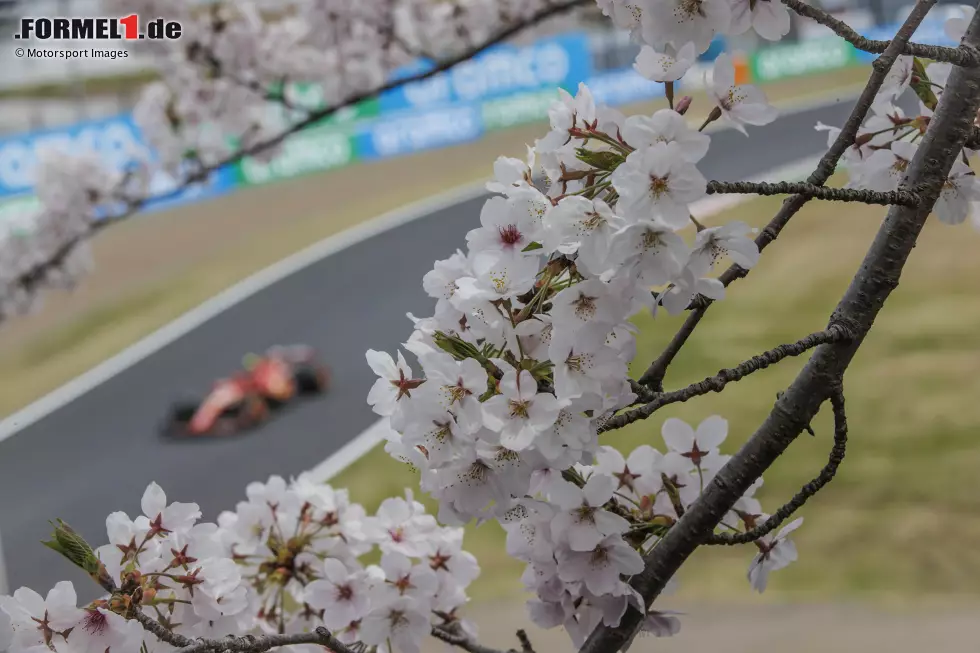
(503, 87)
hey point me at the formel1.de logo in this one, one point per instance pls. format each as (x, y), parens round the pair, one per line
(127, 28)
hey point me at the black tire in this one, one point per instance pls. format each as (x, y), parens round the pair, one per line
(181, 413)
(310, 380)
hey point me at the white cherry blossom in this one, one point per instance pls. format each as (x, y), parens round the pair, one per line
(395, 384)
(667, 66)
(960, 189)
(658, 183)
(769, 18)
(583, 522)
(741, 104)
(519, 413)
(666, 126)
(678, 22)
(775, 553)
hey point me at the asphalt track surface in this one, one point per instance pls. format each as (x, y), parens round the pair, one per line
(97, 454)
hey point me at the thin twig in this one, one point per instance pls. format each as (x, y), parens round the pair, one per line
(961, 56)
(834, 333)
(825, 476)
(899, 197)
(526, 646)
(455, 638)
(36, 275)
(654, 375)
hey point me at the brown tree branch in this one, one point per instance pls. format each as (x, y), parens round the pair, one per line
(320, 636)
(163, 633)
(898, 197)
(961, 56)
(825, 476)
(455, 637)
(36, 276)
(526, 646)
(654, 375)
(836, 332)
(253, 644)
(874, 281)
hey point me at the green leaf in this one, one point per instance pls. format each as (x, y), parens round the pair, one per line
(921, 86)
(602, 160)
(532, 247)
(66, 541)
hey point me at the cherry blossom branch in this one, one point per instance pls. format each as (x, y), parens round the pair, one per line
(899, 197)
(959, 56)
(526, 646)
(870, 288)
(825, 476)
(836, 332)
(36, 275)
(456, 638)
(321, 636)
(163, 633)
(253, 644)
(654, 375)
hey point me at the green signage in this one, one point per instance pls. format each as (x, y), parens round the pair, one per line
(517, 109)
(312, 150)
(804, 58)
(17, 214)
(309, 97)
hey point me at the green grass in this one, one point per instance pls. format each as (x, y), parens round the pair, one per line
(901, 518)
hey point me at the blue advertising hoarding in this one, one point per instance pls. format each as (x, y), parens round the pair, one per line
(499, 71)
(415, 131)
(115, 140)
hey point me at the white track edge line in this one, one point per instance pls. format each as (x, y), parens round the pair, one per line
(707, 208)
(283, 269)
(228, 298)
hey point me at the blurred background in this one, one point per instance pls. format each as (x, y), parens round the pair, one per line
(888, 554)
(38, 94)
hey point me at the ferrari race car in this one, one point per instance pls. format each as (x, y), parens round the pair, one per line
(247, 398)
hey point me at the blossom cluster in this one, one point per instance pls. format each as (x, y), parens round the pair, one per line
(523, 360)
(233, 82)
(888, 138)
(528, 350)
(70, 190)
(225, 82)
(287, 560)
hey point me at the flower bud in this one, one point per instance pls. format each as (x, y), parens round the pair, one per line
(683, 104)
(73, 546)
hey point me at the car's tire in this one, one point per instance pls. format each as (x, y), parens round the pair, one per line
(310, 379)
(176, 424)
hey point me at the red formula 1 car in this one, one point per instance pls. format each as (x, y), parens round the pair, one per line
(246, 399)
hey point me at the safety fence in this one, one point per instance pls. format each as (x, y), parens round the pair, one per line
(503, 87)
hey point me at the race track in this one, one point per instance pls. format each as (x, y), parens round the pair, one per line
(98, 453)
